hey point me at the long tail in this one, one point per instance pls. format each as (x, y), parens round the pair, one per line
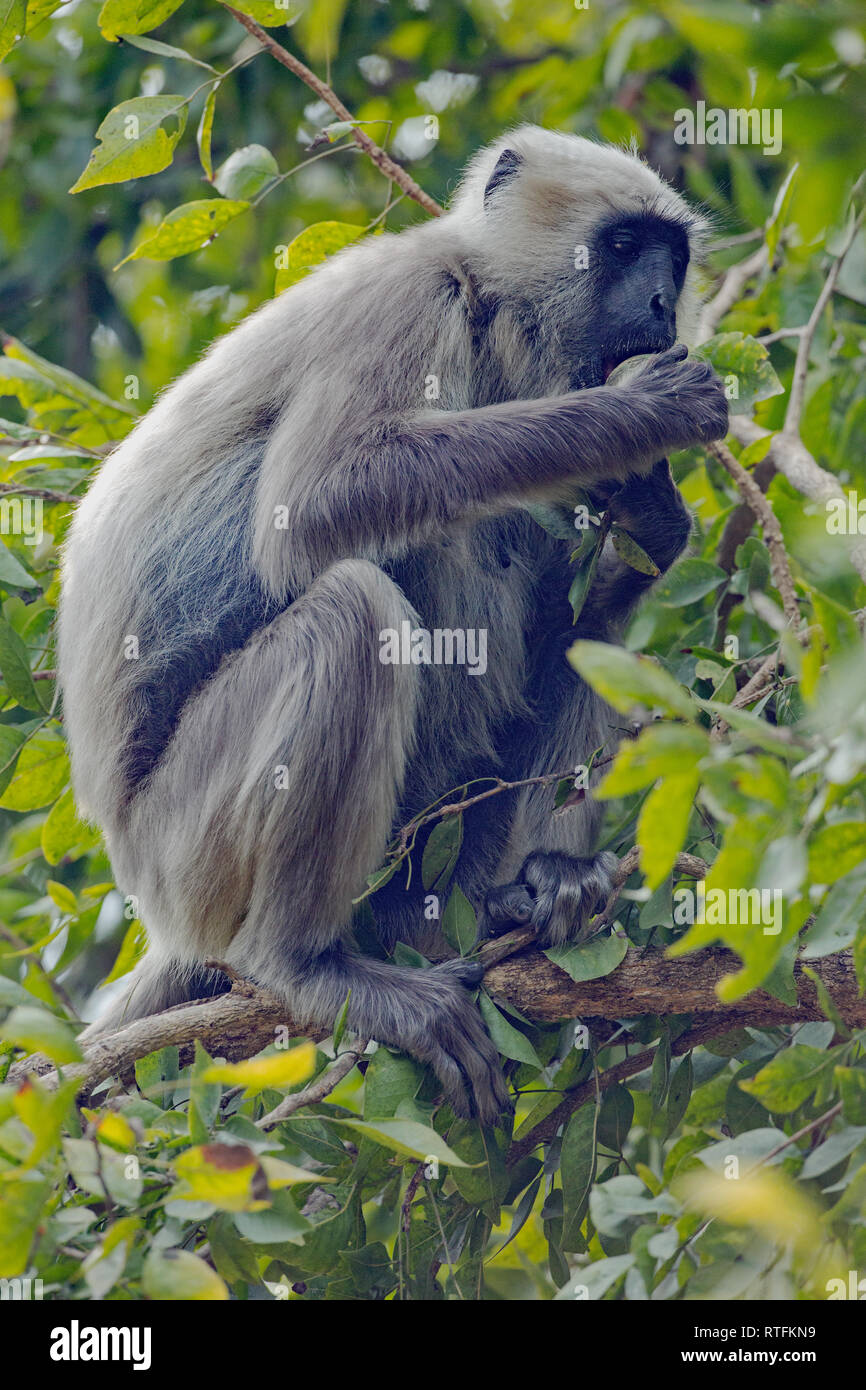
(156, 984)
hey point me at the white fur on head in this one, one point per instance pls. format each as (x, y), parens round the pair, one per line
(553, 202)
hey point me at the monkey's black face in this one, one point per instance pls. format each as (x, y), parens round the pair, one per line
(638, 263)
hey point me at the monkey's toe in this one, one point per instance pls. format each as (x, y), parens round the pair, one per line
(567, 892)
(509, 905)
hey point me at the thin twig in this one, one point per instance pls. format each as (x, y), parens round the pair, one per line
(730, 292)
(779, 563)
(47, 494)
(797, 393)
(389, 167)
(318, 1089)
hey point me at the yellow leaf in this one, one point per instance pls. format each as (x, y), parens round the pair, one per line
(228, 1175)
(265, 1073)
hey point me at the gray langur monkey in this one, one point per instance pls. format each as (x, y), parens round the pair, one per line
(294, 495)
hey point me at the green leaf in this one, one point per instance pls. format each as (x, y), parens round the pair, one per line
(691, 579)
(839, 917)
(556, 521)
(340, 1021)
(36, 1030)
(507, 1039)
(280, 1222)
(405, 1137)
(592, 960)
(790, 1078)
(836, 849)
(615, 1117)
(660, 750)
(134, 16)
(834, 1149)
(577, 1164)
(63, 832)
(246, 172)
(852, 1083)
(204, 134)
(23, 1199)
(151, 1071)
(132, 949)
(11, 741)
(166, 50)
(459, 925)
(663, 824)
(12, 18)
(15, 667)
(679, 1093)
(40, 776)
(62, 896)
(779, 215)
(661, 1072)
(634, 555)
(23, 362)
(390, 1079)
(625, 679)
(482, 1181)
(311, 247)
(187, 228)
(269, 14)
(137, 138)
(742, 357)
(13, 575)
(179, 1275)
(441, 852)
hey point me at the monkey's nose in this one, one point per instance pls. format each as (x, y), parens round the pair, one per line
(661, 305)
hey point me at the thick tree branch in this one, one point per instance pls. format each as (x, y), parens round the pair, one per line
(389, 167)
(648, 982)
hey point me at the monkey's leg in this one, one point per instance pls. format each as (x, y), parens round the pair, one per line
(559, 884)
(549, 876)
(652, 511)
(273, 803)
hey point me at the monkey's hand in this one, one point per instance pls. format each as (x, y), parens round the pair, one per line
(554, 893)
(682, 397)
(651, 509)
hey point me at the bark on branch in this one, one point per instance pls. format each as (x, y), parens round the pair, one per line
(651, 983)
(242, 1022)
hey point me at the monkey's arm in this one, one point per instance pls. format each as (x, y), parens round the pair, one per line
(400, 483)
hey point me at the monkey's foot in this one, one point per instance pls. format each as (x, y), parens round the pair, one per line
(447, 1033)
(554, 893)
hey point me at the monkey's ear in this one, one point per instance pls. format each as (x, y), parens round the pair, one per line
(507, 166)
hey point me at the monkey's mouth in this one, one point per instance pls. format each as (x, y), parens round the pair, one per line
(610, 361)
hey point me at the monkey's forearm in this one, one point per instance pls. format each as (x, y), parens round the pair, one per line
(402, 484)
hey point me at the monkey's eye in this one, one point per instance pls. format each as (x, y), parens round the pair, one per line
(678, 263)
(625, 247)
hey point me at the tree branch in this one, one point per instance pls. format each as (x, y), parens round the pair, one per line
(389, 167)
(769, 522)
(730, 292)
(318, 1089)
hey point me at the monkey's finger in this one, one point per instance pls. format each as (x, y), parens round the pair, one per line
(506, 905)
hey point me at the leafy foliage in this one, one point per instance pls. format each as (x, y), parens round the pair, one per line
(735, 1168)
